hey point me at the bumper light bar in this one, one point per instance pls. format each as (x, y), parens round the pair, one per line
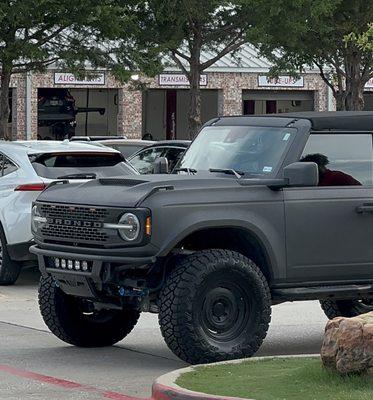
(77, 265)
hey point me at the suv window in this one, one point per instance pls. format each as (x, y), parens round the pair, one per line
(7, 166)
(143, 161)
(54, 165)
(348, 155)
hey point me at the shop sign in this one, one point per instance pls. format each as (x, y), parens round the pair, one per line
(65, 78)
(281, 81)
(178, 80)
(369, 84)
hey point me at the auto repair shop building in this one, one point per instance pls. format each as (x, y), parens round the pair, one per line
(234, 85)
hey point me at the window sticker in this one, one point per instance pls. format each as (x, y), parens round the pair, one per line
(286, 137)
(267, 169)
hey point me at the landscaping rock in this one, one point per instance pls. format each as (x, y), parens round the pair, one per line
(348, 344)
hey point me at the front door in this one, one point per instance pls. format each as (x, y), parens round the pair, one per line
(329, 229)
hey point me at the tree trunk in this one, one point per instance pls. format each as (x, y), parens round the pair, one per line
(4, 104)
(355, 96)
(194, 117)
(354, 82)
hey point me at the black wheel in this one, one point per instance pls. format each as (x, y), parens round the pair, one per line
(346, 308)
(215, 306)
(9, 269)
(70, 319)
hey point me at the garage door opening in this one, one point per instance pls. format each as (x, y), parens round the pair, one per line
(270, 102)
(165, 112)
(63, 113)
(368, 101)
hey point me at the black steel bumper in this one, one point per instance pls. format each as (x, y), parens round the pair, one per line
(80, 283)
(21, 251)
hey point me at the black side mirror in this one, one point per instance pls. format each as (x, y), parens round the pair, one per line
(160, 166)
(302, 174)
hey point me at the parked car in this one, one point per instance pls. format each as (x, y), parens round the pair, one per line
(172, 150)
(26, 169)
(246, 222)
(95, 138)
(126, 146)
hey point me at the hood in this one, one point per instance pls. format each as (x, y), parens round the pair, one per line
(129, 191)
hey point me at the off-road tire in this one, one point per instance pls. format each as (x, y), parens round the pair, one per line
(209, 289)
(345, 308)
(63, 317)
(9, 269)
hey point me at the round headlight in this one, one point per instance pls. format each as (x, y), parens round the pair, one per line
(131, 227)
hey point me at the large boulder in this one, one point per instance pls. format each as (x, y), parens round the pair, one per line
(348, 344)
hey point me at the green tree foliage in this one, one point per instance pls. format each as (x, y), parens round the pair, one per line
(335, 36)
(70, 34)
(183, 29)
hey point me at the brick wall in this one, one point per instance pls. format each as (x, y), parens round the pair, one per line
(129, 118)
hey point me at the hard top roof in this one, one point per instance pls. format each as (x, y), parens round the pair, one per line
(320, 121)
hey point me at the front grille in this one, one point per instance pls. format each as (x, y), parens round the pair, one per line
(74, 223)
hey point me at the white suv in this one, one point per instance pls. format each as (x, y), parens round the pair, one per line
(26, 168)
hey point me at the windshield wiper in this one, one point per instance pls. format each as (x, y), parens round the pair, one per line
(190, 171)
(228, 171)
(90, 175)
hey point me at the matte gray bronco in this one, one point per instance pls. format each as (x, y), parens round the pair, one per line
(242, 225)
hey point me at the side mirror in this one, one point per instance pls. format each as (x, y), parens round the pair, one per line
(302, 174)
(160, 166)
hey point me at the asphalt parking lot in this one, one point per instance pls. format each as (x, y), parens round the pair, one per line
(36, 365)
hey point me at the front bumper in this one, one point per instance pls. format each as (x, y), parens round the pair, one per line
(21, 251)
(86, 283)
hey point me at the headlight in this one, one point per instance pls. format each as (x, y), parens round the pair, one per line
(37, 220)
(130, 228)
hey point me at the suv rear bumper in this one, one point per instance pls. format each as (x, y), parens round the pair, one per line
(21, 251)
(84, 283)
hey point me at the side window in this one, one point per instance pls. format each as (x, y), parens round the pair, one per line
(143, 161)
(173, 155)
(343, 159)
(8, 166)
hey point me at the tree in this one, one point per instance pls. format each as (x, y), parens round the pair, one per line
(70, 34)
(183, 29)
(333, 35)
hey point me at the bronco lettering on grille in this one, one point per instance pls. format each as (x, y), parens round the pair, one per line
(75, 223)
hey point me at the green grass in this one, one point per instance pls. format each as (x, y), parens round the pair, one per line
(278, 379)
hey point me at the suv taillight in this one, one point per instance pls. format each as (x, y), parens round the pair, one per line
(31, 187)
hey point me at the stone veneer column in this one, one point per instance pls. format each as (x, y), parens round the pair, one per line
(232, 98)
(18, 107)
(130, 113)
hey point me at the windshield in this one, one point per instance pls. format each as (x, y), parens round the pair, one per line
(55, 165)
(251, 150)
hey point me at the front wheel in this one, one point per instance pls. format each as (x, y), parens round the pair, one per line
(346, 308)
(215, 306)
(69, 320)
(9, 269)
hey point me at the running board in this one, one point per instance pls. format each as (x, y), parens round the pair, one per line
(323, 292)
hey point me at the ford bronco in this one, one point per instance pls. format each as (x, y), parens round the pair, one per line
(260, 210)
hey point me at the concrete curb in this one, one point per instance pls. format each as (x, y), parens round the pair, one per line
(165, 388)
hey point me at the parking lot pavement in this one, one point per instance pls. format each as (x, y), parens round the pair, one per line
(36, 365)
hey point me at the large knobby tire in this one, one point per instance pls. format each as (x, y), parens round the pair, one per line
(215, 306)
(67, 320)
(9, 269)
(346, 308)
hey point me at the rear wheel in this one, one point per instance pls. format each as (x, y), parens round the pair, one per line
(215, 306)
(70, 319)
(9, 269)
(346, 308)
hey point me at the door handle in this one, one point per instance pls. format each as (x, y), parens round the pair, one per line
(365, 208)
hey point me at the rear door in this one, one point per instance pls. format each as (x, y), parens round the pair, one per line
(329, 229)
